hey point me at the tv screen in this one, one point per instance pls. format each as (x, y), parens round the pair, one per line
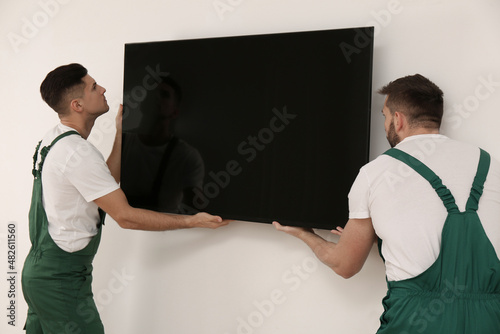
(255, 128)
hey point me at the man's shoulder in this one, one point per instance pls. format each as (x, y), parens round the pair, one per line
(70, 148)
(430, 149)
(58, 130)
(436, 147)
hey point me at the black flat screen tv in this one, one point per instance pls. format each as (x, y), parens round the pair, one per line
(254, 128)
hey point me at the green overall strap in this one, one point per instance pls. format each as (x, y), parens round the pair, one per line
(478, 184)
(435, 181)
(45, 151)
(35, 156)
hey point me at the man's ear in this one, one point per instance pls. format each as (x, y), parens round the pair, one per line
(76, 105)
(399, 121)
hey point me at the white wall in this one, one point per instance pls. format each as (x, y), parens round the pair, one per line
(244, 278)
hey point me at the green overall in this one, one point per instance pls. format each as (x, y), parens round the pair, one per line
(57, 284)
(460, 292)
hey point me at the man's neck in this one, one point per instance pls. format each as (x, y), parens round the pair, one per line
(420, 131)
(83, 128)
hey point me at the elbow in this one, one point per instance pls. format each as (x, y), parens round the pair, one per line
(329, 258)
(341, 266)
(345, 273)
(123, 220)
(125, 224)
(344, 269)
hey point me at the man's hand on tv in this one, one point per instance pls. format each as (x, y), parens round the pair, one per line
(205, 220)
(337, 231)
(292, 230)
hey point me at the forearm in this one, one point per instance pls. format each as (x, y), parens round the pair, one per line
(114, 159)
(141, 219)
(324, 250)
(116, 205)
(347, 256)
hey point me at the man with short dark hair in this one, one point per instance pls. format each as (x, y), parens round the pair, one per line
(66, 218)
(433, 204)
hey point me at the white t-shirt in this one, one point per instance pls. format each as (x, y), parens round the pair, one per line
(74, 174)
(406, 212)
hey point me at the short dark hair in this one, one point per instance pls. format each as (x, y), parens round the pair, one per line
(61, 81)
(419, 99)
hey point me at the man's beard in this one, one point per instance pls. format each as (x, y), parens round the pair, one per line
(392, 137)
